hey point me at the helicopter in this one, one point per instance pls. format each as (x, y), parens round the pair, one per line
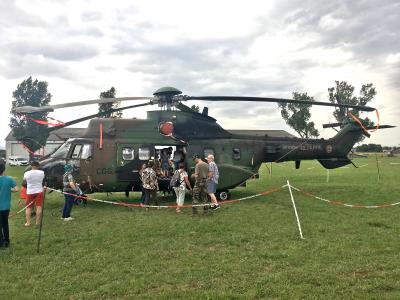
(109, 155)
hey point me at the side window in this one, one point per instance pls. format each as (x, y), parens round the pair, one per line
(128, 153)
(86, 151)
(236, 153)
(76, 151)
(208, 151)
(144, 153)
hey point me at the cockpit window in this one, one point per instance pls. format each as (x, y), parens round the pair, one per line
(62, 151)
(77, 151)
(86, 151)
(82, 151)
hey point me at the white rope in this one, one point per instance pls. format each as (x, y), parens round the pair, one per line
(295, 210)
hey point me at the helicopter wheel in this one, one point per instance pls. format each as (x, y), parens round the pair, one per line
(223, 195)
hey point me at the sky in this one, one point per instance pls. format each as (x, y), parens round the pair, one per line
(203, 48)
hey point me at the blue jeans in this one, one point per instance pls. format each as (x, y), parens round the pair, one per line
(69, 202)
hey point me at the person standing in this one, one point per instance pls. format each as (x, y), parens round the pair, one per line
(177, 158)
(164, 156)
(142, 197)
(180, 190)
(199, 189)
(7, 185)
(34, 192)
(150, 183)
(70, 190)
(212, 181)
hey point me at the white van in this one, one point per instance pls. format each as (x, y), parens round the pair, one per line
(17, 161)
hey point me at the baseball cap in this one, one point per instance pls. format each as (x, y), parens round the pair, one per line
(195, 156)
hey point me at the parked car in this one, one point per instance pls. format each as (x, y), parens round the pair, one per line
(17, 161)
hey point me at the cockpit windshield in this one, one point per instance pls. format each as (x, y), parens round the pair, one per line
(62, 151)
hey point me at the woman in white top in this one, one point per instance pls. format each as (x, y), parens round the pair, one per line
(180, 190)
(34, 191)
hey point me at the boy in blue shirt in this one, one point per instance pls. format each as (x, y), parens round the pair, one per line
(7, 185)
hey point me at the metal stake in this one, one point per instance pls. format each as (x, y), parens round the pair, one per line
(41, 222)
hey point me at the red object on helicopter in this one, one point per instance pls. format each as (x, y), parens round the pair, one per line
(166, 128)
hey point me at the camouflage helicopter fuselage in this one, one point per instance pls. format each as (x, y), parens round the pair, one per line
(109, 155)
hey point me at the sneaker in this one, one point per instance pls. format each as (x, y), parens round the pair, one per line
(217, 206)
(68, 219)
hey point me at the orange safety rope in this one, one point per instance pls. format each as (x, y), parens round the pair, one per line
(386, 205)
(377, 125)
(272, 190)
(361, 124)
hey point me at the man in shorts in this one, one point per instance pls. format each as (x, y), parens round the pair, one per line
(212, 181)
(34, 192)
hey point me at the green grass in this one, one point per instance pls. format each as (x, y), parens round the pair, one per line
(247, 250)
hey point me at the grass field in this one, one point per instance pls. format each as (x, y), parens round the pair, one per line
(247, 250)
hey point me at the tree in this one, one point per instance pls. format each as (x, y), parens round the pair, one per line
(369, 148)
(297, 116)
(25, 129)
(196, 108)
(103, 107)
(343, 93)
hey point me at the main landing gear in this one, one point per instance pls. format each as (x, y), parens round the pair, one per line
(223, 195)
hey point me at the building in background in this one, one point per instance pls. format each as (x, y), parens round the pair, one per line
(55, 139)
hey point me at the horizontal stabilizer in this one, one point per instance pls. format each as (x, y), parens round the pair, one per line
(335, 162)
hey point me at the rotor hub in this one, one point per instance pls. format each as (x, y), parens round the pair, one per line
(166, 96)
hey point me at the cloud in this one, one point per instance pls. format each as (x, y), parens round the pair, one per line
(10, 13)
(368, 29)
(32, 65)
(269, 48)
(63, 51)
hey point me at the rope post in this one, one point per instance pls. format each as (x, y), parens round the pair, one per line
(295, 209)
(377, 166)
(41, 222)
(270, 173)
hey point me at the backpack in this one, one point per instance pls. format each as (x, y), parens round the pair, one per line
(175, 180)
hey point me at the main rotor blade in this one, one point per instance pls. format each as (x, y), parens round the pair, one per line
(50, 108)
(278, 100)
(76, 121)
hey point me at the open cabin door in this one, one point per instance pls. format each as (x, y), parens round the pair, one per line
(130, 158)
